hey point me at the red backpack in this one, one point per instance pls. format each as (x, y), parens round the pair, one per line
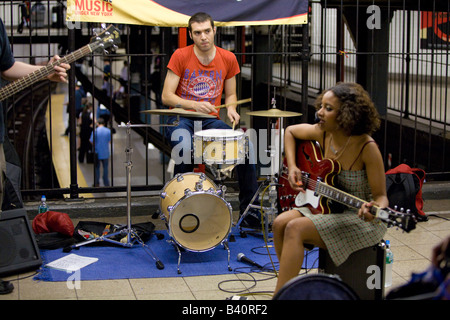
(404, 189)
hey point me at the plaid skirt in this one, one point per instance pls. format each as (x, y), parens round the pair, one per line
(345, 233)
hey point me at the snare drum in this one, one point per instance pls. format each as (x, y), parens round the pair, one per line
(220, 146)
(198, 217)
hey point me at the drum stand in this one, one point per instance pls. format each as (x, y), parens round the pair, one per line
(130, 235)
(179, 249)
(220, 171)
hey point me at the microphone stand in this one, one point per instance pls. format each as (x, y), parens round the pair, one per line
(129, 232)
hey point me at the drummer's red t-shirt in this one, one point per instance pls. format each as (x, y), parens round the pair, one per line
(199, 82)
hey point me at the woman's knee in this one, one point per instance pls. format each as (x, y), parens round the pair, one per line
(280, 222)
(298, 229)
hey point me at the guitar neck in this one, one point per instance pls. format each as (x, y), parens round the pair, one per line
(41, 73)
(342, 197)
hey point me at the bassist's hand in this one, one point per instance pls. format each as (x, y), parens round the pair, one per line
(60, 74)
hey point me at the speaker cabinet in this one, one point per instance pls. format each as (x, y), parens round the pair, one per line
(363, 271)
(18, 249)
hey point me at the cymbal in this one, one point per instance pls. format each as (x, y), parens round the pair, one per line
(274, 113)
(178, 111)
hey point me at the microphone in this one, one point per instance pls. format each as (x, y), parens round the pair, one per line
(242, 258)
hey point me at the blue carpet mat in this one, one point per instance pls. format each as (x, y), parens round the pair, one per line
(116, 262)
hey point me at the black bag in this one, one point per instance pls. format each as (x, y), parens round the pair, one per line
(53, 240)
(404, 189)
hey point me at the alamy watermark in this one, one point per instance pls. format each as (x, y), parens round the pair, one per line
(374, 20)
(258, 148)
(74, 280)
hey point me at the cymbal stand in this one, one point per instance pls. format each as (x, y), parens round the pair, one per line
(130, 235)
(271, 184)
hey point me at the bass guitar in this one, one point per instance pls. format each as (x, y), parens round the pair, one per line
(320, 194)
(108, 38)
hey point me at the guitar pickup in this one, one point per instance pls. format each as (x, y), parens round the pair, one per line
(316, 191)
(305, 179)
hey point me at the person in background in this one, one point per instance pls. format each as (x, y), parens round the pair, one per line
(85, 121)
(101, 139)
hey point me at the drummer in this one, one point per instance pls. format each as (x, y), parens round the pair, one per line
(196, 77)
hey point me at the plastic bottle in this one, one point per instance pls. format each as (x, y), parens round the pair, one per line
(43, 206)
(388, 266)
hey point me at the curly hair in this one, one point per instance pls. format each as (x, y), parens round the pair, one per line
(357, 114)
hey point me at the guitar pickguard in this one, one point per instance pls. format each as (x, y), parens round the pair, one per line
(307, 198)
(309, 160)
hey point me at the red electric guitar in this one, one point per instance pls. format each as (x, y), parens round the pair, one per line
(320, 195)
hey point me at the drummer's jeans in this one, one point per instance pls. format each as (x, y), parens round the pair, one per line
(246, 172)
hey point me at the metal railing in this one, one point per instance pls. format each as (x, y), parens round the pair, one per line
(291, 63)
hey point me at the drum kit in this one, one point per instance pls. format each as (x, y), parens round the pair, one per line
(192, 205)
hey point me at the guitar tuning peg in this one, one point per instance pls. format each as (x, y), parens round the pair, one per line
(96, 31)
(106, 52)
(103, 26)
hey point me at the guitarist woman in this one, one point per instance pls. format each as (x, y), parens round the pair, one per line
(346, 120)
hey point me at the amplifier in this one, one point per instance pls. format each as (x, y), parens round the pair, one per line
(363, 271)
(18, 249)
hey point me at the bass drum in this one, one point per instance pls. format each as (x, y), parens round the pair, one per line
(198, 218)
(316, 287)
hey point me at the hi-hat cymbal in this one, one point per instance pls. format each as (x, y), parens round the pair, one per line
(178, 111)
(274, 113)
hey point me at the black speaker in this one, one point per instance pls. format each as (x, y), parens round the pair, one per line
(363, 271)
(18, 249)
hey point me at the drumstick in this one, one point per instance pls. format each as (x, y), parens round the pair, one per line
(234, 123)
(232, 103)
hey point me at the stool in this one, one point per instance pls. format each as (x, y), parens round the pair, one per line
(355, 271)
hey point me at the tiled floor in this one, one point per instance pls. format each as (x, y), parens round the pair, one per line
(411, 253)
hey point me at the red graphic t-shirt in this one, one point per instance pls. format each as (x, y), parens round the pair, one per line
(199, 82)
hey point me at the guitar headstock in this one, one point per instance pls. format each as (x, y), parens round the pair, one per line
(110, 37)
(400, 219)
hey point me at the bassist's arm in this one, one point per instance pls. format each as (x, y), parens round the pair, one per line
(21, 69)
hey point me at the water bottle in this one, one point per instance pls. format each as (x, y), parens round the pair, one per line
(43, 206)
(388, 266)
